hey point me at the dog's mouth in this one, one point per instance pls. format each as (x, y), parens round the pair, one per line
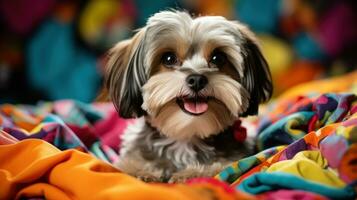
(193, 105)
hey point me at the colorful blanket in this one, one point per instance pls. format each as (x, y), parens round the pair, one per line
(307, 149)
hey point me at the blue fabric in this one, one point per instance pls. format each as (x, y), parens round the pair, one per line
(263, 182)
(58, 66)
(147, 8)
(307, 47)
(261, 16)
(283, 129)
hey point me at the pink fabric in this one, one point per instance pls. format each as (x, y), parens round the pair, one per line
(23, 15)
(338, 28)
(291, 195)
(5, 138)
(111, 128)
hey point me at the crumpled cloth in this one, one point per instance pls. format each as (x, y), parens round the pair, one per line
(34, 168)
(311, 166)
(314, 130)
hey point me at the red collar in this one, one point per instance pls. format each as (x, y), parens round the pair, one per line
(240, 132)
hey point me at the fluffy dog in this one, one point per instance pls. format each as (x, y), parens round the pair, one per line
(187, 80)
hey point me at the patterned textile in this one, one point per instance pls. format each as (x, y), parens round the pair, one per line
(307, 144)
(67, 125)
(324, 128)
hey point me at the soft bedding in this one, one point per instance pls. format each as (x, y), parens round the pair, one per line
(307, 149)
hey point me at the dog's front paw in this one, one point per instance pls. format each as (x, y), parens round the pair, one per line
(184, 175)
(179, 179)
(149, 178)
(140, 168)
(195, 172)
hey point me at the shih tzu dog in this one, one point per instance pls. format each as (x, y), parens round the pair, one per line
(186, 80)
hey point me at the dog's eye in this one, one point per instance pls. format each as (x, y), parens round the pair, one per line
(218, 59)
(169, 59)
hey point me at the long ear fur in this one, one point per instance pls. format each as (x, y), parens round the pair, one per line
(126, 75)
(257, 78)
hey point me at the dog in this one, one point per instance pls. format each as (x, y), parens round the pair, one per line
(187, 81)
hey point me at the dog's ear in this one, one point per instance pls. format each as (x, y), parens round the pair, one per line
(256, 74)
(125, 75)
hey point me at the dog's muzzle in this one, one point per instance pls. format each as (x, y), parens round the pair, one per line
(196, 82)
(194, 104)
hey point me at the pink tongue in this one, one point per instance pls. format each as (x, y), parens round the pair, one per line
(195, 107)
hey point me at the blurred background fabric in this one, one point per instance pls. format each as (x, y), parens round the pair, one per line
(56, 49)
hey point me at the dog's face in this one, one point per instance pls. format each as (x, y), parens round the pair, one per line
(189, 77)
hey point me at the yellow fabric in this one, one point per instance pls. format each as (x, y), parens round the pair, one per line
(94, 15)
(277, 53)
(310, 165)
(32, 168)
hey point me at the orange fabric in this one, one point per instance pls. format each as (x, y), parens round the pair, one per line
(347, 165)
(32, 168)
(303, 72)
(337, 84)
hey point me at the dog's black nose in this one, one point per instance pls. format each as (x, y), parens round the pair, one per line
(196, 82)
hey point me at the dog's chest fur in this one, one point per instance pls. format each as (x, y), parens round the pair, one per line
(140, 139)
